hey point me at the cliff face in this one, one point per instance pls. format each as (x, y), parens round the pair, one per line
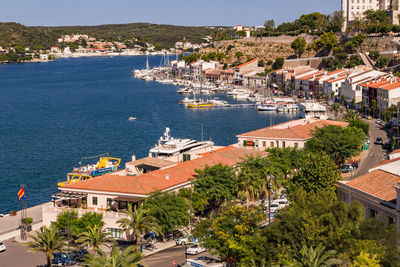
(269, 48)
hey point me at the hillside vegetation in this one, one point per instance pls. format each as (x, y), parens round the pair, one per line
(12, 34)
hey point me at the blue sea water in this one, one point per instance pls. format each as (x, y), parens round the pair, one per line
(52, 114)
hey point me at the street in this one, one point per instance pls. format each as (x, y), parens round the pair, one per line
(17, 255)
(166, 257)
(376, 154)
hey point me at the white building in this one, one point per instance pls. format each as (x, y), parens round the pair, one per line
(353, 9)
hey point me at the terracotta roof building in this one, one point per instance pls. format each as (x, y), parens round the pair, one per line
(110, 193)
(378, 192)
(289, 134)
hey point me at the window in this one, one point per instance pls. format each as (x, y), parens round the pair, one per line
(390, 220)
(264, 144)
(373, 213)
(283, 144)
(115, 232)
(94, 200)
(272, 144)
(277, 143)
(186, 157)
(296, 145)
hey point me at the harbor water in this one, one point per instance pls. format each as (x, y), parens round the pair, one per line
(52, 114)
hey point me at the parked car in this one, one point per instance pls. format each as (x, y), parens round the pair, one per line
(387, 145)
(346, 169)
(2, 247)
(274, 207)
(63, 258)
(378, 141)
(186, 240)
(79, 255)
(380, 122)
(195, 249)
(281, 202)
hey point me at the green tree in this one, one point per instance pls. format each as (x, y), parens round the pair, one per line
(252, 179)
(170, 210)
(233, 233)
(374, 55)
(336, 108)
(70, 223)
(299, 46)
(19, 49)
(381, 62)
(269, 25)
(238, 55)
(336, 20)
(158, 47)
(49, 241)
(373, 107)
(278, 64)
(360, 125)
(358, 40)
(317, 218)
(317, 172)
(94, 237)
(241, 33)
(139, 220)
(337, 142)
(351, 115)
(365, 260)
(128, 257)
(217, 183)
(196, 200)
(318, 257)
(326, 43)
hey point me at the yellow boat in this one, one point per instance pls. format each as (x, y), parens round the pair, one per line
(103, 166)
(205, 105)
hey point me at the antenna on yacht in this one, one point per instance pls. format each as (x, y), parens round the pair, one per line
(202, 133)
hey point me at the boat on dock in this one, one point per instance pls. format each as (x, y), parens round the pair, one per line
(104, 165)
(169, 147)
(267, 107)
(288, 107)
(132, 118)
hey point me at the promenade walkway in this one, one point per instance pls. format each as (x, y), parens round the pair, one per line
(9, 225)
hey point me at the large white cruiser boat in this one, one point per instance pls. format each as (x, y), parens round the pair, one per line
(178, 149)
(311, 109)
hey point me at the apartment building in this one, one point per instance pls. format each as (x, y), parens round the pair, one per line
(353, 9)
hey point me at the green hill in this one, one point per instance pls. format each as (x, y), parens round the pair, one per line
(166, 35)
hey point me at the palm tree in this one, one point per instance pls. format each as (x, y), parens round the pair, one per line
(139, 220)
(48, 241)
(252, 180)
(95, 237)
(318, 257)
(336, 108)
(117, 258)
(351, 115)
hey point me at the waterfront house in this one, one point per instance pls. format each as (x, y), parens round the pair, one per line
(293, 134)
(109, 194)
(378, 192)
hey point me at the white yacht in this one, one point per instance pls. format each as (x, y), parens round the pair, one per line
(267, 107)
(172, 148)
(311, 109)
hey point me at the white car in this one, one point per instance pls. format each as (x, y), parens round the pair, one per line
(281, 202)
(2, 247)
(274, 207)
(186, 240)
(195, 249)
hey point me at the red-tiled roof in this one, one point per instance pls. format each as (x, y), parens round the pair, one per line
(164, 179)
(245, 64)
(391, 86)
(299, 132)
(386, 162)
(379, 184)
(376, 83)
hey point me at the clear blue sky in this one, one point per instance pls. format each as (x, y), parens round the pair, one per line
(177, 12)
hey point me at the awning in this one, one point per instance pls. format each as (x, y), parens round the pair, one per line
(127, 199)
(69, 195)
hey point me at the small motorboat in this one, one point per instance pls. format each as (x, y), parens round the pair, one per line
(132, 118)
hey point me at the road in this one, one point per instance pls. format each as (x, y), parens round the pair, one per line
(376, 153)
(17, 255)
(165, 258)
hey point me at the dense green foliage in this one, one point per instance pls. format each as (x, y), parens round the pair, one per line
(337, 142)
(69, 222)
(170, 211)
(316, 173)
(117, 258)
(299, 46)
